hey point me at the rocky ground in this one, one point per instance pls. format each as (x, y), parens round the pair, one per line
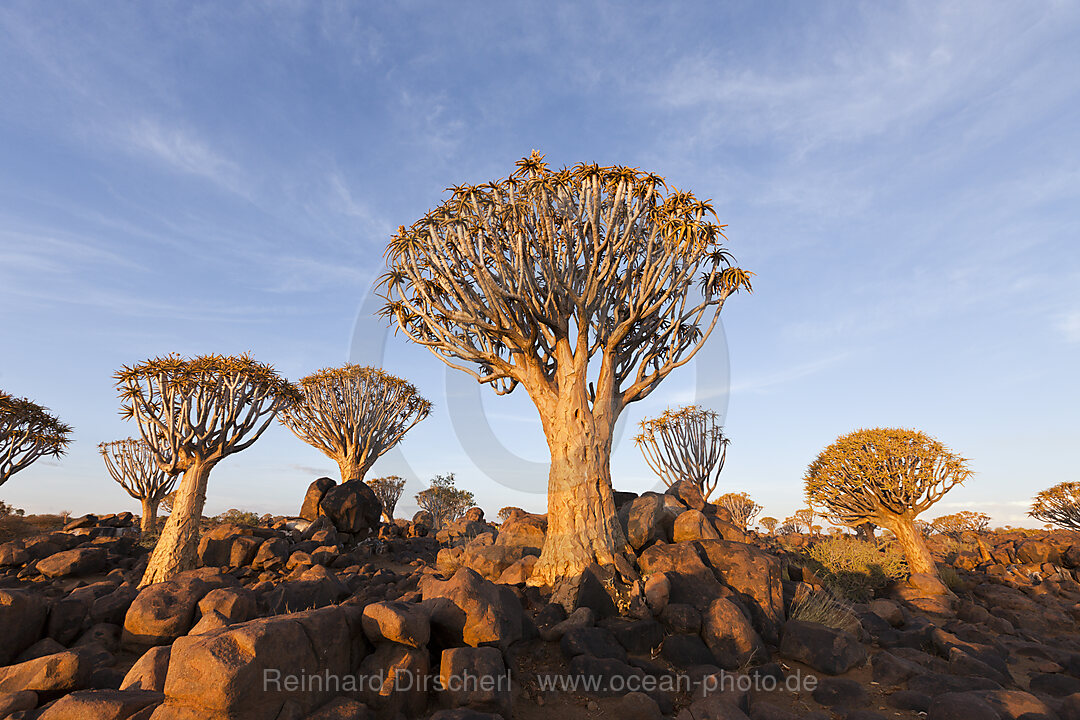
(324, 617)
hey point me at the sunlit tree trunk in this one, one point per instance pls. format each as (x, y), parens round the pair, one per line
(352, 469)
(177, 548)
(911, 541)
(583, 526)
(149, 516)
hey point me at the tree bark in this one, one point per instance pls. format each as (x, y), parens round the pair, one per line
(351, 469)
(178, 546)
(911, 541)
(149, 516)
(583, 527)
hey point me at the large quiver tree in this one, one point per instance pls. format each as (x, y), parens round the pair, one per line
(192, 413)
(131, 463)
(587, 287)
(887, 477)
(28, 431)
(354, 414)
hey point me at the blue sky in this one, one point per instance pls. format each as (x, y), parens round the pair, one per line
(222, 177)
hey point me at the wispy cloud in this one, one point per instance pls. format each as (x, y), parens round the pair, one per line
(184, 151)
(1069, 325)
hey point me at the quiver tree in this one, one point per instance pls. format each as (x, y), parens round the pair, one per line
(587, 287)
(388, 490)
(354, 414)
(742, 508)
(685, 444)
(443, 500)
(887, 477)
(28, 431)
(192, 414)
(131, 463)
(955, 524)
(769, 523)
(1059, 505)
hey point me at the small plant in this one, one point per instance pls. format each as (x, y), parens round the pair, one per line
(821, 606)
(854, 568)
(7, 510)
(950, 577)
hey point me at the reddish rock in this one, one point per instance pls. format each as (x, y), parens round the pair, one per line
(73, 563)
(101, 705)
(65, 671)
(22, 620)
(165, 611)
(403, 623)
(309, 510)
(148, 672)
(468, 610)
(475, 678)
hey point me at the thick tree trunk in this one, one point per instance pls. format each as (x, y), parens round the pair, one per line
(911, 541)
(178, 546)
(865, 531)
(352, 470)
(583, 527)
(149, 516)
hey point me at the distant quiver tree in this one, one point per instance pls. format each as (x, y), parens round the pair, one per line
(28, 432)
(388, 490)
(685, 444)
(1059, 505)
(131, 463)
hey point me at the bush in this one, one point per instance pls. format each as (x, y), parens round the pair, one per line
(237, 517)
(856, 569)
(821, 606)
(950, 577)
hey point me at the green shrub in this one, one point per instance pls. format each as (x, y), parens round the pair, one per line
(950, 577)
(237, 517)
(820, 606)
(856, 569)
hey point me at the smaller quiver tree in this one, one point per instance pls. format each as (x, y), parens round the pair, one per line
(888, 477)
(388, 490)
(354, 414)
(1059, 505)
(769, 523)
(742, 507)
(28, 431)
(956, 524)
(192, 413)
(444, 500)
(685, 444)
(131, 463)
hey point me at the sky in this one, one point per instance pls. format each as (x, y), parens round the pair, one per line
(903, 178)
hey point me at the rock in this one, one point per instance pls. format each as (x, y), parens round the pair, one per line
(113, 607)
(925, 593)
(681, 618)
(888, 669)
(888, 611)
(105, 635)
(316, 588)
(755, 576)
(686, 651)
(693, 525)
(342, 708)
(934, 684)
(691, 580)
(524, 531)
(352, 507)
(44, 646)
(165, 611)
(1036, 552)
(646, 520)
(22, 620)
(15, 701)
(476, 678)
(101, 705)
(519, 572)
(910, 700)
(638, 706)
(243, 671)
(148, 672)
(612, 677)
(61, 672)
(73, 563)
(688, 493)
(1018, 705)
(399, 668)
(730, 636)
(403, 623)
(961, 706)
(309, 510)
(587, 590)
(594, 641)
(639, 637)
(823, 648)
(234, 604)
(478, 612)
(272, 554)
(491, 560)
(464, 714)
(1054, 684)
(13, 554)
(841, 692)
(67, 618)
(582, 617)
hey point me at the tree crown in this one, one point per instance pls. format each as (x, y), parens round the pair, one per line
(131, 463)
(1059, 505)
(882, 474)
(686, 443)
(203, 408)
(28, 431)
(512, 280)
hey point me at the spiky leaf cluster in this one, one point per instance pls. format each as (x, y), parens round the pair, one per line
(687, 443)
(28, 432)
(881, 474)
(1059, 505)
(355, 412)
(132, 464)
(588, 259)
(202, 408)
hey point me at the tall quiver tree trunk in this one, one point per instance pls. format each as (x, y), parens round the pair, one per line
(583, 526)
(149, 515)
(911, 541)
(177, 548)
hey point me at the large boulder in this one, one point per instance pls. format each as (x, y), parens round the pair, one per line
(693, 525)
(730, 636)
(226, 543)
(399, 622)
(164, 611)
(475, 678)
(645, 520)
(73, 563)
(401, 675)
(468, 610)
(688, 493)
(755, 576)
(491, 560)
(524, 531)
(102, 705)
(821, 647)
(242, 672)
(352, 507)
(148, 672)
(60, 672)
(692, 581)
(309, 510)
(22, 620)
